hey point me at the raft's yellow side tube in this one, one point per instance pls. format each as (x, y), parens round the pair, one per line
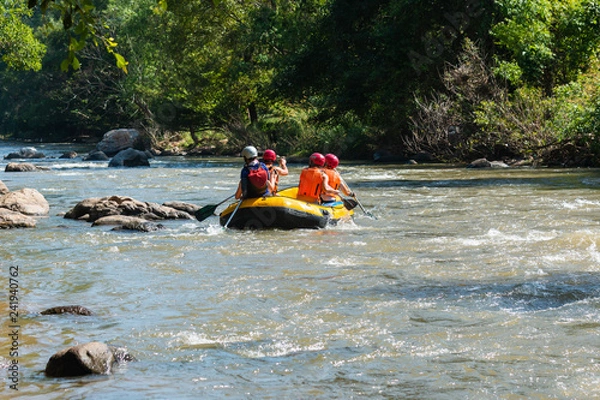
(284, 211)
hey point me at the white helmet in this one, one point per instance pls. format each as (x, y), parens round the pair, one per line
(249, 152)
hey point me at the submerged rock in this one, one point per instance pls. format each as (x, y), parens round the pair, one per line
(69, 154)
(145, 226)
(76, 310)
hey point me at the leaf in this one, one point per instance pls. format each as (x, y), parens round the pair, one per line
(75, 63)
(110, 42)
(161, 7)
(121, 62)
(64, 65)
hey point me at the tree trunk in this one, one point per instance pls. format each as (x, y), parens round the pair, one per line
(252, 113)
(194, 136)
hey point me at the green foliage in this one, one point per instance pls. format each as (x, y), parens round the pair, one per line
(516, 126)
(19, 48)
(291, 130)
(79, 17)
(456, 78)
(576, 113)
(551, 42)
(526, 34)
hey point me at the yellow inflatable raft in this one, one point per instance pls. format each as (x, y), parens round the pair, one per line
(283, 211)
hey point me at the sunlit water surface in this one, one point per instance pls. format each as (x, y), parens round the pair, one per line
(469, 284)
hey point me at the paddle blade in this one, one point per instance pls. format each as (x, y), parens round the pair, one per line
(205, 212)
(349, 203)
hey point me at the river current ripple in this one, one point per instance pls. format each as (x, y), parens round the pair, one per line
(469, 284)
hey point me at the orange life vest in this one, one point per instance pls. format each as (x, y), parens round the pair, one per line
(334, 178)
(311, 185)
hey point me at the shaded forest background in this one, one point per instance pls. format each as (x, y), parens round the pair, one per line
(452, 80)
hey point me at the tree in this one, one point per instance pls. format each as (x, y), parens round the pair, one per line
(19, 48)
(221, 56)
(546, 42)
(368, 58)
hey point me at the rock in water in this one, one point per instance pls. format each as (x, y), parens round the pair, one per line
(119, 139)
(26, 201)
(130, 158)
(83, 359)
(77, 310)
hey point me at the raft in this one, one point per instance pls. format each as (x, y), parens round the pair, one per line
(284, 211)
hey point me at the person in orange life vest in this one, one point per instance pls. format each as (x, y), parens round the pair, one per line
(269, 158)
(313, 181)
(254, 177)
(334, 179)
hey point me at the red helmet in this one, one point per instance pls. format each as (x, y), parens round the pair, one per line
(331, 160)
(317, 159)
(269, 155)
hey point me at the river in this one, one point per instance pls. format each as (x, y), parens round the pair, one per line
(470, 284)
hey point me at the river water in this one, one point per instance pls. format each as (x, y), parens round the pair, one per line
(469, 284)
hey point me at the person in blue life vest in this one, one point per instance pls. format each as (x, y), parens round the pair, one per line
(254, 177)
(269, 158)
(313, 181)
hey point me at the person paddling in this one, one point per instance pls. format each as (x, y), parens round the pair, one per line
(313, 181)
(334, 179)
(269, 157)
(254, 176)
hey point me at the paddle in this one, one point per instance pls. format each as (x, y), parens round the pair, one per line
(349, 202)
(233, 213)
(367, 213)
(209, 210)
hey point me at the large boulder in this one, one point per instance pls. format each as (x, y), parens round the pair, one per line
(25, 152)
(83, 359)
(120, 139)
(13, 219)
(92, 209)
(26, 201)
(130, 158)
